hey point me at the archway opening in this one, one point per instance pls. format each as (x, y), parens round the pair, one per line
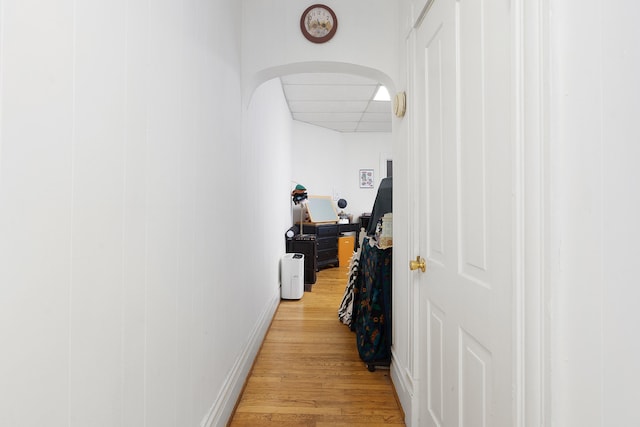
(337, 130)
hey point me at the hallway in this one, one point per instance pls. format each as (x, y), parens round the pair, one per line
(308, 372)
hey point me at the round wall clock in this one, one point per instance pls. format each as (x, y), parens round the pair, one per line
(318, 23)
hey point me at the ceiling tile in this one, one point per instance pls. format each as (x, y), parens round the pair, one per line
(379, 107)
(323, 106)
(341, 102)
(376, 117)
(328, 92)
(328, 117)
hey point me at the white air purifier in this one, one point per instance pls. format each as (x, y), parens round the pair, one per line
(292, 276)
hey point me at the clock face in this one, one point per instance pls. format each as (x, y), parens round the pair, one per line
(318, 23)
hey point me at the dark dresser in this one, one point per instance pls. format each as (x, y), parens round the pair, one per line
(327, 241)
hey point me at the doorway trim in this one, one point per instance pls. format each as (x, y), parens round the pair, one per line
(532, 212)
(254, 81)
(530, 50)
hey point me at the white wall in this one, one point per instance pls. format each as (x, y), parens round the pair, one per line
(592, 206)
(595, 206)
(362, 41)
(327, 163)
(124, 297)
(265, 189)
(125, 178)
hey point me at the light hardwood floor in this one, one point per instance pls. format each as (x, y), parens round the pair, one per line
(308, 372)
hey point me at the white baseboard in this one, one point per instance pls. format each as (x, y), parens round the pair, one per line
(405, 387)
(222, 408)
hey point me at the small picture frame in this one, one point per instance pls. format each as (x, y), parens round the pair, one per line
(366, 178)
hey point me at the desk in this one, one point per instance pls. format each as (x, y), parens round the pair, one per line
(345, 228)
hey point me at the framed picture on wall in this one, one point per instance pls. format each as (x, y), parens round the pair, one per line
(366, 178)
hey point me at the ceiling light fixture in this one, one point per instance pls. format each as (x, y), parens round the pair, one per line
(382, 94)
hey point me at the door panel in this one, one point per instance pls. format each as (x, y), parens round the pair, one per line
(435, 363)
(472, 141)
(463, 127)
(436, 180)
(475, 374)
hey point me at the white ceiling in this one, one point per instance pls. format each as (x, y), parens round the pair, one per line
(341, 102)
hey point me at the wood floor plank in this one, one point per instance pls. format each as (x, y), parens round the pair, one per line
(308, 372)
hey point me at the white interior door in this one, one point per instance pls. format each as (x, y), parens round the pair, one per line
(464, 132)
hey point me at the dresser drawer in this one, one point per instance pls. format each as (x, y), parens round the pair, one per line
(327, 243)
(321, 230)
(326, 230)
(327, 254)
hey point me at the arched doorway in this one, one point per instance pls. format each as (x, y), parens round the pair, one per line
(328, 160)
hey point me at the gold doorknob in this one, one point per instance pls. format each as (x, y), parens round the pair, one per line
(419, 263)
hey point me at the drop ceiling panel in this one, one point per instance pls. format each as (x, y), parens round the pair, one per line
(374, 117)
(327, 117)
(379, 107)
(323, 106)
(336, 101)
(328, 92)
